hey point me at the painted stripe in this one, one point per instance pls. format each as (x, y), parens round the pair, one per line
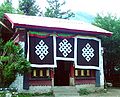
(38, 36)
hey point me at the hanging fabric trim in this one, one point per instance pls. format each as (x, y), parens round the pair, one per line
(39, 34)
(87, 52)
(41, 50)
(65, 35)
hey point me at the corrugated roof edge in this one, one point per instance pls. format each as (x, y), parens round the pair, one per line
(59, 24)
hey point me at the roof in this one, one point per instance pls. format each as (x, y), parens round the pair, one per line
(18, 20)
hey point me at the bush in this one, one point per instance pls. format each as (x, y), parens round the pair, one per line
(12, 62)
(84, 92)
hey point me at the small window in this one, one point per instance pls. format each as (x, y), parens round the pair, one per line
(82, 73)
(40, 73)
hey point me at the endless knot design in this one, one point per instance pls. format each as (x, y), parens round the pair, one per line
(88, 52)
(41, 49)
(65, 47)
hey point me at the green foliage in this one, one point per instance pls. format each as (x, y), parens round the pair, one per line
(111, 44)
(54, 10)
(6, 7)
(35, 94)
(12, 61)
(28, 94)
(29, 7)
(84, 92)
(2, 94)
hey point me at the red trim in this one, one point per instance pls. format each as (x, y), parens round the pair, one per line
(63, 29)
(65, 36)
(40, 83)
(38, 36)
(9, 19)
(89, 80)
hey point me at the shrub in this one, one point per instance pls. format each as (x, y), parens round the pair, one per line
(84, 92)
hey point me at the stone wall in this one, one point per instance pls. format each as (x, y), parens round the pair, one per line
(18, 83)
(39, 89)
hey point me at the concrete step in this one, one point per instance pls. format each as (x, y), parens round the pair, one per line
(56, 95)
(65, 91)
(66, 96)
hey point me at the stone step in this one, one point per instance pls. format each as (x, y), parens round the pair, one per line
(65, 91)
(64, 88)
(64, 94)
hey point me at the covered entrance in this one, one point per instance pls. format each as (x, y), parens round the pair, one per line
(62, 73)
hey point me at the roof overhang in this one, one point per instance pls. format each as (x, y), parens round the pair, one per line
(37, 22)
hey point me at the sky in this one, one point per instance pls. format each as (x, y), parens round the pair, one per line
(89, 6)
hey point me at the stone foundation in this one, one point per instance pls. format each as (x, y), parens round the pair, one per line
(18, 83)
(39, 89)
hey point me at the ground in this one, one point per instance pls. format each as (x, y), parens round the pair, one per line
(111, 92)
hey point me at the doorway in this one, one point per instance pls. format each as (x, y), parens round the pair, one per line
(62, 73)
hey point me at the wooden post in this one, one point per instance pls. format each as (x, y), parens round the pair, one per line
(52, 75)
(26, 81)
(72, 80)
(72, 71)
(97, 78)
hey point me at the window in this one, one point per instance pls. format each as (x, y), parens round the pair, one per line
(84, 73)
(40, 73)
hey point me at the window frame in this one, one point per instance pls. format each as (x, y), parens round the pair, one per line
(41, 73)
(82, 73)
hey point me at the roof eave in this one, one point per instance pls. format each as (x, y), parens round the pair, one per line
(75, 31)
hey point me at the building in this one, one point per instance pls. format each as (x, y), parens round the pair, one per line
(61, 52)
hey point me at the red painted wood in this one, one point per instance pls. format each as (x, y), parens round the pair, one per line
(85, 81)
(40, 83)
(51, 73)
(72, 71)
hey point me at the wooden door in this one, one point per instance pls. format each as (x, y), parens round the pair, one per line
(62, 74)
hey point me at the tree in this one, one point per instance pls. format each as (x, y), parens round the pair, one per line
(9, 1)
(29, 7)
(6, 7)
(12, 61)
(111, 44)
(54, 10)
